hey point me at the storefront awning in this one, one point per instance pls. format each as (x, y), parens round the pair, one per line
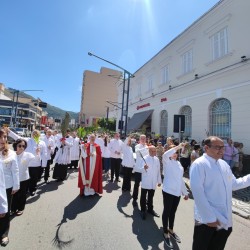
(138, 119)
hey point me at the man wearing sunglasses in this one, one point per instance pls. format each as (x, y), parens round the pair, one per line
(212, 183)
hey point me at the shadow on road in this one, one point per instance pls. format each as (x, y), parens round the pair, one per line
(77, 206)
(111, 186)
(147, 231)
(42, 188)
(123, 201)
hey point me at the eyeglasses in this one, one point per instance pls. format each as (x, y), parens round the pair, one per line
(217, 147)
(21, 146)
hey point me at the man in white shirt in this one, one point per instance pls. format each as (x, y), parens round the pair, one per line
(151, 177)
(49, 142)
(115, 147)
(212, 183)
(141, 150)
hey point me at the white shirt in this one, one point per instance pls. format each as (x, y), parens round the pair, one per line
(31, 147)
(105, 151)
(23, 163)
(49, 142)
(140, 150)
(100, 142)
(152, 176)
(75, 149)
(115, 146)
(3, 197)
(10, 169)
(62, 156)
(173, 182)
(127, 158)
(212, 183)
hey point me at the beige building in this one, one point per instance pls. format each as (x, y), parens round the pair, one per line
(97, 89)
(204, 74)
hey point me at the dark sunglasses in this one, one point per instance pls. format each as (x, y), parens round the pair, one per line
(21, 146)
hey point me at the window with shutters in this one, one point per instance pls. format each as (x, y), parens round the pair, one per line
(187, 62)
(219, 44)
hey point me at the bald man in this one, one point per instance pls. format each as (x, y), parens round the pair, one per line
(151, 177)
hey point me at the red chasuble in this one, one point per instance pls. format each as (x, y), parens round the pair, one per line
(91, 176)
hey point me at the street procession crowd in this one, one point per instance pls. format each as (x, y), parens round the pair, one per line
(212, 166)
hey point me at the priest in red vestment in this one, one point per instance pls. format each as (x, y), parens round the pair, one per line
(90, 168)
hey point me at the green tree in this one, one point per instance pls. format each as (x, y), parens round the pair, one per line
(65, 124)
(109, 124)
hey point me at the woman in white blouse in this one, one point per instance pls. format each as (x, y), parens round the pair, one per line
(23, 160)
(11, 177)
(128, 163)
(173, 188)
(3, 197)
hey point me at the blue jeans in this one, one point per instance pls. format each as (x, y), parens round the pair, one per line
(106, 162)
(229, 162)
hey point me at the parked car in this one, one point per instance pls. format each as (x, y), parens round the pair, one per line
(24, 132)
(10, 139)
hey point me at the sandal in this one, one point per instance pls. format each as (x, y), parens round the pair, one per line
(18, 213)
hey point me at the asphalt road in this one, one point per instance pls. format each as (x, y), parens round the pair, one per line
(58, 218)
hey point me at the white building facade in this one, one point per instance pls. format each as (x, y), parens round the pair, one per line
(204, 74)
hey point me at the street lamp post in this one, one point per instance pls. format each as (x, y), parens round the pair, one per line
(123, 92)
(16, 94)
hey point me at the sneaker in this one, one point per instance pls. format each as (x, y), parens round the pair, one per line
(175, 236)
(168, 242)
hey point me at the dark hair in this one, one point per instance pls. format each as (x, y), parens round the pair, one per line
(6, 147)
(18, 141)
(106, 141)
(197, 146)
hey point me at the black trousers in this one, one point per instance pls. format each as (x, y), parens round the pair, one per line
(19, 198)
(209, 238)
(127, 173)
(185, 162)
(115, 168)
(47, 170)
(74, 163)
(144, 201)
(53, 155)
(5, 221)
(137, 177)
(35, 173)
(170, 204)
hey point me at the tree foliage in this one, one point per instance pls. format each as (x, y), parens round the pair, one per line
(65, 124)
(107, 124)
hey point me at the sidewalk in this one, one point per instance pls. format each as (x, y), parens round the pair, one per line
(240, 201)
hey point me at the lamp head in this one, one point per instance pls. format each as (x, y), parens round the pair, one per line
(90, 54)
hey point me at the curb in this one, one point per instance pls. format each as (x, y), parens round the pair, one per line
(241, 213)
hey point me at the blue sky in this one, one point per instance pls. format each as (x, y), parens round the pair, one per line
(44, 44)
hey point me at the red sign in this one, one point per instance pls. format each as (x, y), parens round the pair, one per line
(143, 106)
(164, 99)
(44, 120)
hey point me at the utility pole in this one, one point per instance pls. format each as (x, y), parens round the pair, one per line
(124, 91)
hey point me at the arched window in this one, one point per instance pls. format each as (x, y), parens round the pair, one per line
(220, 118)
(164, 123)
(187, 111)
